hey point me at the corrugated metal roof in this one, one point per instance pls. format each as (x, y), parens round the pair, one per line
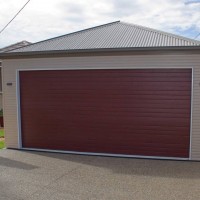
(112, 35)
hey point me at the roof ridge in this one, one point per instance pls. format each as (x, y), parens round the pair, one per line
(161, 32)
(75, 32)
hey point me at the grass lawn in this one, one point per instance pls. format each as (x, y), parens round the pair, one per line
(2, 144)
(1, 133)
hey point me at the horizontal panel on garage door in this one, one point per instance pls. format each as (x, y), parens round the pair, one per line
(134, 112)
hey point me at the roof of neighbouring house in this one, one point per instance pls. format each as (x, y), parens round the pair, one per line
(112, 36)
(14, 46)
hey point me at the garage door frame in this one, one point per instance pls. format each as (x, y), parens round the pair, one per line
(91, 153)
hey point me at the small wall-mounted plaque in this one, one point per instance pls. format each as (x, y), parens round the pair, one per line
(9, 84)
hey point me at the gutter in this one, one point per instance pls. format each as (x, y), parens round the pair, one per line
(92, 51)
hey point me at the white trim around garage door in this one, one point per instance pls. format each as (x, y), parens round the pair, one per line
(191, 113)
(93, 153)
(18, 110)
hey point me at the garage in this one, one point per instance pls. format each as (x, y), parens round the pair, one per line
(117, 89)
(142, 112)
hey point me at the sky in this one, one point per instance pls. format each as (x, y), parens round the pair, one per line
(43, 19)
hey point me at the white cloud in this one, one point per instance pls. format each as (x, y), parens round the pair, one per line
(49, 18)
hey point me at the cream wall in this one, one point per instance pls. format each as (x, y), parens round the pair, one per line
(137, 61)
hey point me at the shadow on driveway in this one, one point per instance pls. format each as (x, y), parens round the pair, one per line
(133, 166)
(16, 164)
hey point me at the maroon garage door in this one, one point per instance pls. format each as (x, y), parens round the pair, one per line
(134, 112)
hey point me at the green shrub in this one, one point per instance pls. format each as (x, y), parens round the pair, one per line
(2, 145)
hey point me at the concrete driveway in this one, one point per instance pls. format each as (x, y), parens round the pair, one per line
(51, 176)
